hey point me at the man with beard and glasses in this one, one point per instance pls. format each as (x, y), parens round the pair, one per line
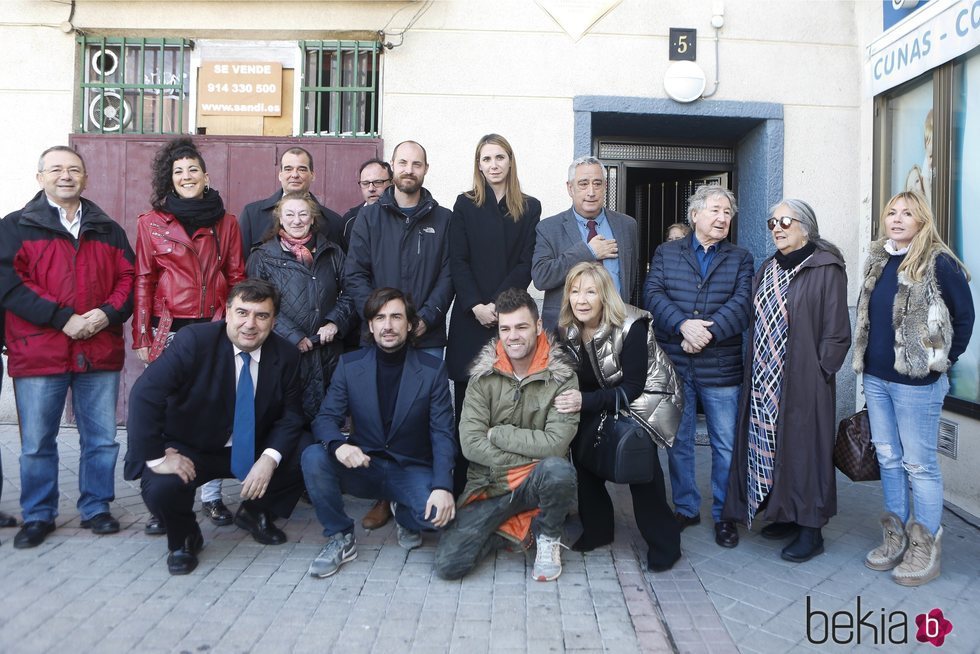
(402, 448)
(517, 445)
(402, 241)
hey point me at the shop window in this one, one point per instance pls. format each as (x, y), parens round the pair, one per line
(340, 88)
(964, 230)
(133, 86)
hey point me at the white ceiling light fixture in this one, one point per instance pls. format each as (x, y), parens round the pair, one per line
(684, 81)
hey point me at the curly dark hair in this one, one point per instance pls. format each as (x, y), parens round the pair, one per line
(163, 166)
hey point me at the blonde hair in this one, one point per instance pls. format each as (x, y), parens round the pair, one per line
(926, 241)
(613, 307)
(515, 199)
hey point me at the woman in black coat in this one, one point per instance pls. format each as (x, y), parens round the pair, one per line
(491, 239)
(782, 463)
(305, 267)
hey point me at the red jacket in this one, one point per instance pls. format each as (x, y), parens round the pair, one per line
(190, 276)
(46, 276)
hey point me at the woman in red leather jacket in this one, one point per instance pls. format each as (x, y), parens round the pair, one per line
(188, 251)
(188, 256)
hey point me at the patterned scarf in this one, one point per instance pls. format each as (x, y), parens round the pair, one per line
(297, 246)
(769, 341)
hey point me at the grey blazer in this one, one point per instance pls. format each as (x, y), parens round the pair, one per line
(559, 246)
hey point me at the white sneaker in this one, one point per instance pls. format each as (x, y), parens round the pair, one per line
(547, 560)
(340, 549)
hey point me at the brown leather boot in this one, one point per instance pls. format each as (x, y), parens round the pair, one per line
(378, 516)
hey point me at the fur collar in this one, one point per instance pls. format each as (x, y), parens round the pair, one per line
(558, 366)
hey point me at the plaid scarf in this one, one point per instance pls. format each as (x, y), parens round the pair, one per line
(769, 342)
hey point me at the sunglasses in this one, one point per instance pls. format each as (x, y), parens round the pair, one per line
(782, 221)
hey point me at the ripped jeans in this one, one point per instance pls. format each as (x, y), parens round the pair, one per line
(905, 430)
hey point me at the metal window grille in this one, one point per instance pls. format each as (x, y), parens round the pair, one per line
(340, 88)
(133, 86)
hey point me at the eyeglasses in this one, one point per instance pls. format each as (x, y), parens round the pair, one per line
(58, 171)
(782, 221)
(376, 183)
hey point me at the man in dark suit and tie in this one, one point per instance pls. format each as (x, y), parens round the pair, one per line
(224, 400)
(403, 446)
(586, 232)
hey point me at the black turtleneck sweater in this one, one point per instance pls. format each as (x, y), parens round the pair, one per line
(390, 366)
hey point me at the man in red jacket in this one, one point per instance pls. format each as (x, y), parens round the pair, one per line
(66, 283)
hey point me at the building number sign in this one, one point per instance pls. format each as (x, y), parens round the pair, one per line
(683, 44)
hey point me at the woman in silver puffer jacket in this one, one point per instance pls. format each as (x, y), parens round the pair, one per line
(615, 350)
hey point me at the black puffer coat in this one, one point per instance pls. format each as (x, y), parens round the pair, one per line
(311, 297)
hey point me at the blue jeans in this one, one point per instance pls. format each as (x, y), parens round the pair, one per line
(905, 429)
(720, 404)
(40, 403)
(327, 479)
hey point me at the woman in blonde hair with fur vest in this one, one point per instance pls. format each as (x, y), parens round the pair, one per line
(914, 318)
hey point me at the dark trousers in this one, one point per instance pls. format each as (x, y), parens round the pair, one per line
(327, 479)
(653, 516)
(462, 463)
(171, 500)
(471, 537)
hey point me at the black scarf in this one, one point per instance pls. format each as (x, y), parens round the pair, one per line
(796, 257)
(194, 213)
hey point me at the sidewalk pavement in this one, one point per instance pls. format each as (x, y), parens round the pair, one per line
(113, 593)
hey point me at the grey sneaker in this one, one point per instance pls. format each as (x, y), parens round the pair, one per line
(547, 561)
(408, 539)
(340, 549)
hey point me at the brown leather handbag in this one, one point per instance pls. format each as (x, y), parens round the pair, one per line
(854, 453)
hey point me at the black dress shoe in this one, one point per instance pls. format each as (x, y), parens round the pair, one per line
(184, 560)
(101, 523)
(260, 525)
(686, 521)
(32, 534)
(808, 544)
(726, 534)
(7, 520)
(218, 512)
(661, 567)
(779, 530)
(154, 527)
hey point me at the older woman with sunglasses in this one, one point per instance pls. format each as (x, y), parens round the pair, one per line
(782, 465)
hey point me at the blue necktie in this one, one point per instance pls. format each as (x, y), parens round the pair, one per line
(243, 432)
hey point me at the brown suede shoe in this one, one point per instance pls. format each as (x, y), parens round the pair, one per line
(378, 516)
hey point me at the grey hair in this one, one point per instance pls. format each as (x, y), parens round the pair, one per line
(58, 148)
(804, 214)
(699, 200)
(584, 160)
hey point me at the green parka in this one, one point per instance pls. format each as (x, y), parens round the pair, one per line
(526, 425)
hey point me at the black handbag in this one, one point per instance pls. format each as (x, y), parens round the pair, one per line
(854, 453)
(620, 450)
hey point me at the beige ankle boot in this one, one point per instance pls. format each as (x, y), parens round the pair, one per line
(894, 543)
(921, 561)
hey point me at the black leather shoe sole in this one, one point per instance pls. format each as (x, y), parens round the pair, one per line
(780, 530)
(268, 536)
(32, 534)
(154, 527)
(101, 524)
(218, 513)
(726, 535)
(801, 557)
(181, 562)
